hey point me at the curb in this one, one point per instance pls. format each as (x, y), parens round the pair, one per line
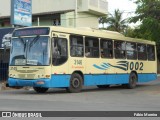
(1, 86)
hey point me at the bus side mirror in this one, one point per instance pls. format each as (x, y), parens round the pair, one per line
(6, 41)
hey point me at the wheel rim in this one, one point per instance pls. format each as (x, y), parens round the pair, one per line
(133, 80)
(75, 83)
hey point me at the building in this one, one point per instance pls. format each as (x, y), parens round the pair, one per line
(67, 13)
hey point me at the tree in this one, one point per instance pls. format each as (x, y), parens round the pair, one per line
(103, 20)
(116, 22)
(130, 32)
(148, 12)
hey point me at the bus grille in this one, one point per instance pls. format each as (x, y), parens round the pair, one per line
(27, 71)
(26, 76)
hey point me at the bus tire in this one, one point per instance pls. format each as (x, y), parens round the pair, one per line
(40, 90)
(76, 82)
(103, 86)
(132, 81)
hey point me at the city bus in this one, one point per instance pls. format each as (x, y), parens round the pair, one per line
(71, 58)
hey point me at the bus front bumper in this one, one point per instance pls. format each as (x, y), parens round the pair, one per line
(12, 82)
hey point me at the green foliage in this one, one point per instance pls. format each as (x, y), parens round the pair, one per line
(103, 20)
(114, 22)
(148, 12)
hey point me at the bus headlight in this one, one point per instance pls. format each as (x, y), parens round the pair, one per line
(11, 75)
(48, 76)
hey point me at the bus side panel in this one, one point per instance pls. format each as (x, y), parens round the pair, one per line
(94, 80)
(60, 80)
(106, 79)
(147, 77)
(118, 79)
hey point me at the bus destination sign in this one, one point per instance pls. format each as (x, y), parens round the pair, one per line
(31, 31)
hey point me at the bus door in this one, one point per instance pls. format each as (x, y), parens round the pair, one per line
(59, 48)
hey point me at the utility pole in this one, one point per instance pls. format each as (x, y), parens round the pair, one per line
(75, 17)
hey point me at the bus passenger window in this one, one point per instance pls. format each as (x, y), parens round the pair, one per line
(59, 51)
(131, 50)
(151, 52)
(106, 48)
(142, 55)
(76, 46)
(120, 49)
(91, 47)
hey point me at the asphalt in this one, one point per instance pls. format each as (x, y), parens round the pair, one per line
(145, 97)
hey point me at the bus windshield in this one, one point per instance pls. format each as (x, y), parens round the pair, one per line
(30, 51)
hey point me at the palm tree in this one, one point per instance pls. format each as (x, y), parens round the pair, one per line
(116, 22)
(103, 20)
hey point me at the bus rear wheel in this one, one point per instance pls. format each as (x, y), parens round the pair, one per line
(76, 82)
(103, 86)
(132, 81)
(40, 90)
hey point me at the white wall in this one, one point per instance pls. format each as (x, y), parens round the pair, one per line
(40, 6)
(5, 7)
(68, 19)
(97, 7)
(87, 20)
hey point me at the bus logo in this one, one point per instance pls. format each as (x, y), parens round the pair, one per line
(6, 114)
(123, 65)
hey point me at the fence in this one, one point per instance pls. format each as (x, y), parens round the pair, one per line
(4, 63)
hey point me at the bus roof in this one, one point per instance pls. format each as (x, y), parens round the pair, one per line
(96, 33)
(100, 33)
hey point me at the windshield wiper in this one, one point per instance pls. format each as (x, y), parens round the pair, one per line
(34, 41)
(23, 42)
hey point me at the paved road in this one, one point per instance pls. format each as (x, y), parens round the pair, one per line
(145, 97)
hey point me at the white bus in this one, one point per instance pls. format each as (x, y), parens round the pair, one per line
(57, 57)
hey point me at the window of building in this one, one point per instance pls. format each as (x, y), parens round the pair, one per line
(56, 22)
(119, 49)
(59, 51)
(92, 47)
(76, 46)
(151, 52)
(106, 48)
(131, 50)
(142, 55)
(2, 24)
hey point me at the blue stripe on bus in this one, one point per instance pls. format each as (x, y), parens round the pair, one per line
(60, 80)
(146, 77)
(89, 80)
(21, 82)
(106, 79)
(116, 79)
(55, 81)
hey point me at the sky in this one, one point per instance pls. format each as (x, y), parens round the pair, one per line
(123, 5)
(126, 6)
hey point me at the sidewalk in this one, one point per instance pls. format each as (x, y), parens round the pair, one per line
(2, 86)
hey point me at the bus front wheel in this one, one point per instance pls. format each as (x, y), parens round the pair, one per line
(132, 81)
(40, 90)
(76, 82)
